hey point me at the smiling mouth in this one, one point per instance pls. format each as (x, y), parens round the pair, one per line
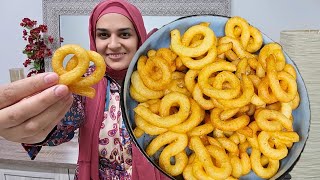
(115, 55)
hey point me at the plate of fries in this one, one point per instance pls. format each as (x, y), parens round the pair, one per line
(212, 97)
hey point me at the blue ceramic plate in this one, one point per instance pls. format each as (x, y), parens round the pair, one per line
(161, 38)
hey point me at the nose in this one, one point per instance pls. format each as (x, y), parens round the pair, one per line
(114, 42)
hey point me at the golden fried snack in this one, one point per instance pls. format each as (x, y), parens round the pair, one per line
(255, 41)
(204, 154)
(277, 153)
(177, 84)
(241, 165)
(244, 98)
(137, 96)
(237, 21)
(169, 56)
(207, 71)
(242, 68)
(197, 37)
(151, 53)
(184, 50)
(138, 132)
(145, 70)
(177, 143)
(200, 63)
(166, 103)
(261, 171)
(272, 49)
(194, 119)
(201, 130)
(232, 124)
(224, 47)
(198, 96)
(77, 67)
(271, 120)
(229, 145)
(274, 78)
(236, 47)
(255, 65)
(190, 79)
(295, 102)
(264, 93)
(253, 141)
(147, 127)
(144, 91)
(234, 108)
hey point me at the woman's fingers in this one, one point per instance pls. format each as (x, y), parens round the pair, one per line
(53, 121)
(14, 92)
(23, 110)
(36, 129)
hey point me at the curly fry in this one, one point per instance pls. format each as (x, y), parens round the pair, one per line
(184, 50)
(244, 98)
(204, 155)
(177, 143)
(278, 153)
(144, 67)
(261, 171)
(272, 49)
(194, 119)
(237, 21)
(207, 89)
(274, 78)
(77, 67)
(166, 102)
(278, 120)
(230, 124)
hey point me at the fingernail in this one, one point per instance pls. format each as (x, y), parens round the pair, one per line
(51, 78)
(61, 90)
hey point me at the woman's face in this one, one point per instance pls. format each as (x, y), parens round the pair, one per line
(116, 40)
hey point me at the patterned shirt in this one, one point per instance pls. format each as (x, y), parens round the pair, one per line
(115, 159)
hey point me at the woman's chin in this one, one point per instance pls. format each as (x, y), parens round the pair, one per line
(117, 68)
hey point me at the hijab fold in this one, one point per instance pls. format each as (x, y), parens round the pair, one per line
(89, 132)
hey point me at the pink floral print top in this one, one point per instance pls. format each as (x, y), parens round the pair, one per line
(115, 154)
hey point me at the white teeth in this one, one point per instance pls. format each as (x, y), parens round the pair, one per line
(115, 55)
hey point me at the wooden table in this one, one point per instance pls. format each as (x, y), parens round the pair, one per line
(64, 155)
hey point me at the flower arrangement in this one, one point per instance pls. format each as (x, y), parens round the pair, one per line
(37, 45)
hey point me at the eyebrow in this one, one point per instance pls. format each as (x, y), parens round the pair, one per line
(106, 30)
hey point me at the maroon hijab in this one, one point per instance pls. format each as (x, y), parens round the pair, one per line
(126, 9)
(89, 132)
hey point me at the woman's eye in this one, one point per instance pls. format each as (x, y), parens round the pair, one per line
(125, 35)
(103, 35)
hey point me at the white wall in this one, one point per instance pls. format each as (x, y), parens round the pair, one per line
(274, 16)
(11, 14)
(270, 16)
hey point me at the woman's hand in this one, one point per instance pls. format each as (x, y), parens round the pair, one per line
(30, 108)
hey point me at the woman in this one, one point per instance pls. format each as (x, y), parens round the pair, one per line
(106, 151)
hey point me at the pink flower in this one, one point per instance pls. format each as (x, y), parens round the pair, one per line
(31, 72)
(43, 28)
(36, 49)
(26, 62)
(50, 38)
